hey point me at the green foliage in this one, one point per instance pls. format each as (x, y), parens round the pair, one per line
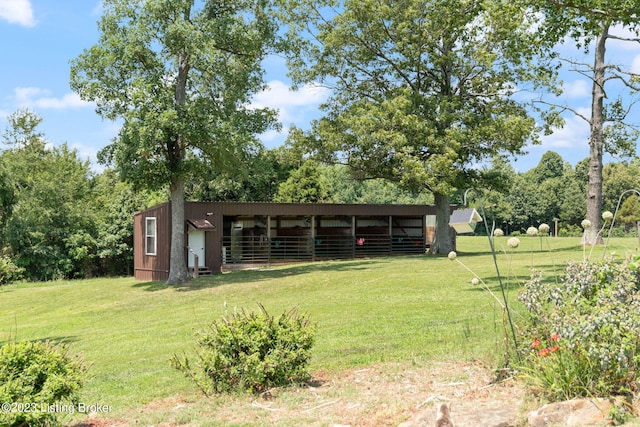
(616, 179)
(50, 232)
(115, 204)
(9, 272)
(583, 330)
(180, 75)
(572, 205)
(551, 191)
(343, 187)
(37, 375)
(551, 165)
(214, 60)
(7, 199)
(304, 185)
(254, 177)
(252, 352)
(406, 105)
(58, 220)
(629, 212)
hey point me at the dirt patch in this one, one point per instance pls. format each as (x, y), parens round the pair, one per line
(473, 396)
(379, 395)
(101, 422)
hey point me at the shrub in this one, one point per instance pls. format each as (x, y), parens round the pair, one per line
(9, 272)
(582, 331)
(570, 230)
(35, 376)
(251, 352)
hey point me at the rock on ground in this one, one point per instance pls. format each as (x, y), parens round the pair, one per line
(571, 413)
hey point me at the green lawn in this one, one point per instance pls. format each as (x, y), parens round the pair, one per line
(401, 309)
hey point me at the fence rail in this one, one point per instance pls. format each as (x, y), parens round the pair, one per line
(262, 250)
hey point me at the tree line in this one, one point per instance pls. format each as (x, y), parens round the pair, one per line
(61, 219)
(420, 93)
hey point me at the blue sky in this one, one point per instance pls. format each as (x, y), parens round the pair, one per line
(40, 37)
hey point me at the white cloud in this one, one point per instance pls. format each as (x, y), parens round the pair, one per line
(626, 33)
(635, 65)
(291, 105)
(98, 9)
(17, 12)
(576, 89)
(574, 134)
(33, 97)
(274, 137)
(294, 107)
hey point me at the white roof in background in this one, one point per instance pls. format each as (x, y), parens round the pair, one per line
(464, 220)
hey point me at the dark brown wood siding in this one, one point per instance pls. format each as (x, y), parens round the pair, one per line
(296, 209)
(152, 267)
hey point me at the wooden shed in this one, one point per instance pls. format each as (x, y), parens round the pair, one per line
(226, 235)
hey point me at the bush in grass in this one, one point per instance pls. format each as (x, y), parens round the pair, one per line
(583, 331)
(250, 352)
(35, 376)
(9, 272)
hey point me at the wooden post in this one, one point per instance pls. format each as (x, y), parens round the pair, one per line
(353, 236)
(195, 266)
(390, 232)
(313, 237)
(269, 239)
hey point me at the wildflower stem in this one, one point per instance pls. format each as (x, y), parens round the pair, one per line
(484, 285)
(613, 218)
(502, 288)
(504, 295)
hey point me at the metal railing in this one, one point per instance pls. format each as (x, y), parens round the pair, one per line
(263, 250)
(334, 247)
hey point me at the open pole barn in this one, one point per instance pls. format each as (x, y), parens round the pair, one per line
(228, 235)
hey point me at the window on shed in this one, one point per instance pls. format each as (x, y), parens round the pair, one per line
(150, 236)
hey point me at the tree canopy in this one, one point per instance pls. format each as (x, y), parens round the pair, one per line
(590, 23)
(47, 229)
(422, 91)
(180, 75)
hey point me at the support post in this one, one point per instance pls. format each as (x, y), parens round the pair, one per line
(269, 239)
(196, 268)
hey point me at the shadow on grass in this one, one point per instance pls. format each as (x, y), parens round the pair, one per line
(550, 274)
(521, 252)
(52, 340)
(266, 273)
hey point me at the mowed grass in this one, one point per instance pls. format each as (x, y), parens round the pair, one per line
(414, 309)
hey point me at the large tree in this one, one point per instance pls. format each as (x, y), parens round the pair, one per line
(114, 205)
(305, 185)
(255, 180)
(423, 91)
(590, 24)
(51, 231)
(179, 74)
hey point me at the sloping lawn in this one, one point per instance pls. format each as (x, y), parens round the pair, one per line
(415, 310)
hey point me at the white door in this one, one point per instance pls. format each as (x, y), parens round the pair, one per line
(196, 246)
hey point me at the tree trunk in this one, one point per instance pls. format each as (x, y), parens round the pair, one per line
(178, 271)
(442, 243)
(592, 236)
